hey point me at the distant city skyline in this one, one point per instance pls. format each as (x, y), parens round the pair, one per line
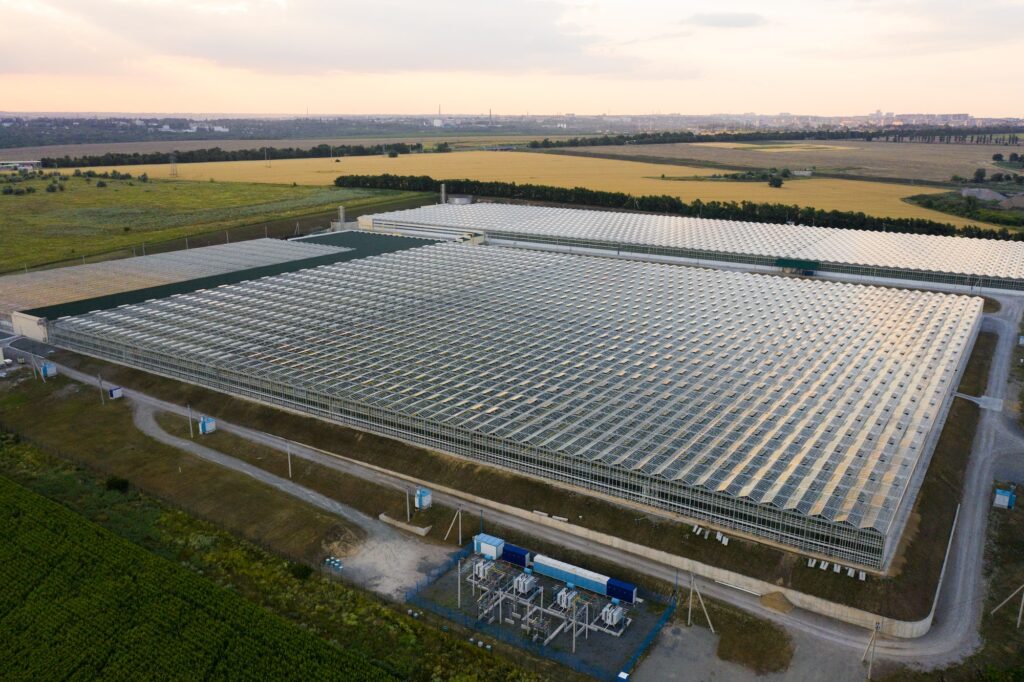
(282, 57)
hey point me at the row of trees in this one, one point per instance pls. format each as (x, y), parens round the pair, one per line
(218, 154)
(981, 176)
(726, 210)
(1006, 136)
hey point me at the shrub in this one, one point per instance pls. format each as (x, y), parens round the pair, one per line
(101, 183)
(117, 483)
(775, 181)
(300, 571)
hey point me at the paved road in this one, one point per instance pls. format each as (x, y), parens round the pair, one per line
(998, 443)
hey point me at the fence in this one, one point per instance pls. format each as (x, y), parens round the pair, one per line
(510, 637)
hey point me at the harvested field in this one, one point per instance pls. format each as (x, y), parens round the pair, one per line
(428, 139)
(563, 170)
(905, 160)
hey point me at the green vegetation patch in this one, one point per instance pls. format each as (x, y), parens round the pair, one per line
(352, 618)
(78, 601)
(970, 207)
(83, 219)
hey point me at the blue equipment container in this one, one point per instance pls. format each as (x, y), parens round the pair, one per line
(621, 590)
(516, 555)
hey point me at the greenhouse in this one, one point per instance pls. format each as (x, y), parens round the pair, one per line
(48, 287)
(796, 411)
(953, 261)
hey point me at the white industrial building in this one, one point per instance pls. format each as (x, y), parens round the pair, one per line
(956, 263)
(798, 411)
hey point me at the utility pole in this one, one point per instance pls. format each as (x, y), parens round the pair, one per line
(103, 398)
(689, 608)
(289, 447)
(458, 584)
(408, 514)
(1020, 611)
(190, 434)
(869, 652)
(460, 526)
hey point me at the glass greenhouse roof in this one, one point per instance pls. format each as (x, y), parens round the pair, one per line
(811, 396)
(911, 252)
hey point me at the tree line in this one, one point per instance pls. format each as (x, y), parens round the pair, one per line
(725, 210)
(218, 154)
(1004, 135)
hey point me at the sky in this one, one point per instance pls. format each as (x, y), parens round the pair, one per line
(827, 57)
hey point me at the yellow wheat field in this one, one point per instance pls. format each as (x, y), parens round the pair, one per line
(875, 198)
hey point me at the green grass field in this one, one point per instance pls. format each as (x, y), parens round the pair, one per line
(410, 648)
(84, 219)
(76, 601)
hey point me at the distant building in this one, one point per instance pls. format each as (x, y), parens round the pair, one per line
(982, 194)
(20, 165)
(1016, 201)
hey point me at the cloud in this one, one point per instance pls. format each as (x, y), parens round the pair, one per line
(312, 37)
(727, 20)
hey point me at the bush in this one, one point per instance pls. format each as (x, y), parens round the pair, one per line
(51, 188)
(393, 154)
(117, 483)
(101, 183)
(300, 571)
(775, 181)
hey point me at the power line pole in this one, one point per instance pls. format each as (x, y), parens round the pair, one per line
(190, 433)
(689, 608)
(289, 447)
(869, 652)
(408, 515)
(103, 398)
(1020, 611)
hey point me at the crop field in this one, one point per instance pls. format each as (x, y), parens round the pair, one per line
(78, 601)
(905, 160)
(562, 170)
(457, 141)
(85, 219)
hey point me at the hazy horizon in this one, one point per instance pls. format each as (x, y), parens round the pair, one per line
(281, 57)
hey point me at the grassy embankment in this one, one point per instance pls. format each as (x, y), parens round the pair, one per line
(103, 439)
(86, 220)
(77, 601)
(1001, 657)
(618, 175)
(906, 595)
